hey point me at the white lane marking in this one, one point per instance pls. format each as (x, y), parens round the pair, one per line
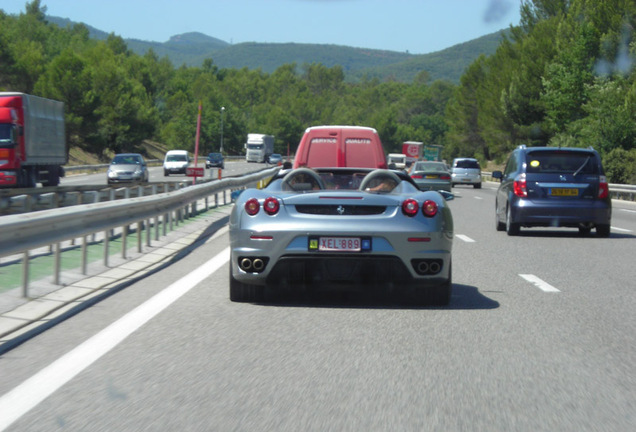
(465, 238)
(542, 285)
(34, 390)
(478, 197)
(613, 228)
(629, 211)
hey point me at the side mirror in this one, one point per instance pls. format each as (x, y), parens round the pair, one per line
(497, 174)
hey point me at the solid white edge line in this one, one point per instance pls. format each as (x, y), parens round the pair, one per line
(542, 285)
(464, 238)
(35, 389)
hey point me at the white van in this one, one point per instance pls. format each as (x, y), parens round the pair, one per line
(175, 162)
(397, 160)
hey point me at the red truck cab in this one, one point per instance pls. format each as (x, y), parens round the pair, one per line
(340, 146)
(11, 148)
(32, 140)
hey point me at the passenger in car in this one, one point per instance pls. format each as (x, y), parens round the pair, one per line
(382, 184)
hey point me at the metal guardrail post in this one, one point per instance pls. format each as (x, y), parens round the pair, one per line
(25, 274)
(139, 236)
(124, 234)
(106, 244)
(57, 264)
(84, 254)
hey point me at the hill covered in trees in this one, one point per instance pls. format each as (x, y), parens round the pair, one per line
(192, 49)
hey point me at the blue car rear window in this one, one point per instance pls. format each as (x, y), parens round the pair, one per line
(561, 162)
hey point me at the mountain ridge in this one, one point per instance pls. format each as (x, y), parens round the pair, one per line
(193, 48)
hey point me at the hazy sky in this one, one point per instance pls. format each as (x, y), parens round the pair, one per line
(416, 26)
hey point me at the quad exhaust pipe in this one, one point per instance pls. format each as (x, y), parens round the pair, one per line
(252, 264)
(245, 264)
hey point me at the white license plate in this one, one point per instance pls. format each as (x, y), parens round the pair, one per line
(340, 244)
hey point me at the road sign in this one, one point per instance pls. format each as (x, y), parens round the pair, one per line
(194, 172)
(432, 153)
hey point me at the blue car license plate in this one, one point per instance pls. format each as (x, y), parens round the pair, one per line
(564, 192)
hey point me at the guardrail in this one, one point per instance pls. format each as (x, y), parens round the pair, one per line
(617, 191)
(24, 232)
(623, 192)
(45, 198)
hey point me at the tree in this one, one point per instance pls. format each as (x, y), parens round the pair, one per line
(69, 79)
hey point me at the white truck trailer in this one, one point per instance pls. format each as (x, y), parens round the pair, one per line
(258, 147)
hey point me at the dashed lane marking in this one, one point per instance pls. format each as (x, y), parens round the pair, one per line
(541, 284)
(465, 238)
(620, 229)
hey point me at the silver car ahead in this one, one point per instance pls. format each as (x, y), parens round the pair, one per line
(127, 168)
(341, 229)
(466, 171)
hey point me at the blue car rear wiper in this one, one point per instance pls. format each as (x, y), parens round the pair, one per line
(581, 167)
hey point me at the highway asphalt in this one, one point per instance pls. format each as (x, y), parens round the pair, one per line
(22, 318)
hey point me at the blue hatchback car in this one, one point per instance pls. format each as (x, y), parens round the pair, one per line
(553, 187)
(215, 160)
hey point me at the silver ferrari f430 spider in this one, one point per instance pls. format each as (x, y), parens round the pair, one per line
(312, 230)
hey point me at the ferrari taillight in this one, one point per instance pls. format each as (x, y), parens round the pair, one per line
(429, 208)
(603, 187)
(410, 207)
(252, 206)
(519, 186)
(271, 206)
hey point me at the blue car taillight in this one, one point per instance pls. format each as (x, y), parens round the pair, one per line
(519, 186)
(603, 187)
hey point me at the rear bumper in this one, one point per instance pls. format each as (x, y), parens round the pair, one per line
(425, 186)
(288, 263)
(529, 213)
(179, 170)
(466, 179)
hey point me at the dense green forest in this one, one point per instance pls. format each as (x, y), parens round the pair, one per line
(564, 76)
